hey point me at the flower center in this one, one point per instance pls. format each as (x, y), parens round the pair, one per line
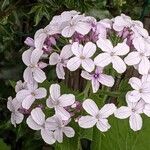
(33, 94)
(112, 54)
(133, 110)
(96, 76)
(82, 57)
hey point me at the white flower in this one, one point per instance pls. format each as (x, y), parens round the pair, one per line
(33, 71)
(58, 101)
(59, 126)
(98, 117)
(121, 22)
(20, 85)
(36, 121)
(111, 55)
(141, 90)
(133, 111)
(77, 23)
(98, 78)
(28, 96)
(140, 56)
(146, 110)
(13, 106)
(61, 60)
(82, 56)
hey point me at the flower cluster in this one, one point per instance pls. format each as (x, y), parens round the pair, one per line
(73, 41)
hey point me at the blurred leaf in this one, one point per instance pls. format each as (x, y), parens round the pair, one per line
(4, 4)
(12, 83)
(3, 146)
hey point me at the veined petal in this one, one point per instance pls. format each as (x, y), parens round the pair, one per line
(39, 75)
(48, 136)
(32, 124)
(21, 95)
(69, 132)
(58, 134)
(103, 125)
(105, 45)
(66, 52)
(133, 96)
(68, 31)
(90, 107)
(35, 56)
(73, 64)
(106, 80)
(40, 93)
(60, 71)
(55, 91)
(88, 64)
(107, 110)
(62, 112)
(77, 49)
(27, 75)
(86, 75)
(95, 85)
(121, 49)
(28, 101)
(132, 58)
(135, 121)
(26, 57)
(89, 49)
(66, 100)
(87, 121)
(118, 64)
(102, 60)
(54, 58)
(146, 97)
(135, 83)
(144, 66)
(38, 116)
(123, 112)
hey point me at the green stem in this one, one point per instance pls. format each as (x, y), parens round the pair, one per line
(87, 88)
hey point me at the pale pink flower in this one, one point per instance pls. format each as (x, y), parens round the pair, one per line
(59, 127)
(111, 55)
(29, 41)
(139, 57)
(28, 96)
(61, 60)
(97, 117)
(97, 78)
(33, 71)
(58, 101)
(36, 121)
(13, 105)
(133, 111)
(82, 56)
(77, 23)
(141, 90)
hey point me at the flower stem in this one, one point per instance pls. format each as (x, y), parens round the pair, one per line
(87, 88)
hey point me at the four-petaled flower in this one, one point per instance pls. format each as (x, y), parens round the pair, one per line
(98, 117)
(58, 101)
(111, 54)
(82, 56)
(97, 78)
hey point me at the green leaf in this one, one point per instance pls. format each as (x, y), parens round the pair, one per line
(3, 145)
(4, 4)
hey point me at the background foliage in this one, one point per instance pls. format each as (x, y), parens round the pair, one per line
(21, 18)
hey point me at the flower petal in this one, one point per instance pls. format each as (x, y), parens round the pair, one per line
(107, 110)
(38, 116)
(68, 31)
(77, 49)
(88, 64)
(54, 91)
(28, 101)
(102, 60)
(73, 64)
(40, 93)
(66, 52)
(60, 71)
(69, 132)
(65, 115)
(105, 45)
(58, 134)
(32, 124)
(66, 100)
(103, 125)
(122, 112)
(86, 75)
(133, 96)
(95, 85)
(54, 58)
(106, 80)
(87, 121)
(135, 121)
(89, 49)
(90, 107)
(135, 83)
(48, 136)
(39, 75)
(146, 110)
(118, 64)
(132, 58)
(26, 57)
(27, 75)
